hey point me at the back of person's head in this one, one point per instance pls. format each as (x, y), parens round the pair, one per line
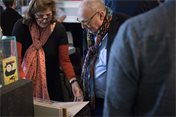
(91, 5)
(38, 6)
(8, 3)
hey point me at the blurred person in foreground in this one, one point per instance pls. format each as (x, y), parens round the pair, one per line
(101, 26)
(42, 49)
(141, 72)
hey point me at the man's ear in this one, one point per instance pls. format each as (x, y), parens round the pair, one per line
(102, 15)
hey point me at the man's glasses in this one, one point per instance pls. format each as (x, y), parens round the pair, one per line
(87, 22)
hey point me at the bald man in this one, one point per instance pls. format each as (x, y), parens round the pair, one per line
(101, 26)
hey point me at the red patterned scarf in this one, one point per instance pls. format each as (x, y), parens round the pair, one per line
(34, 61)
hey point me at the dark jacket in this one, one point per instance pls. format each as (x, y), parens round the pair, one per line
(131, 7)
(8, 19)
(141, 68)
(117, 20)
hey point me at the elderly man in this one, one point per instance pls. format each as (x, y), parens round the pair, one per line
(101, 26)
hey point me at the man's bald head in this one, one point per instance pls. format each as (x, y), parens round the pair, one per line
(91, 6)
(91, 14)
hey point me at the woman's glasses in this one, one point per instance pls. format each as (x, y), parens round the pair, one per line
(47, 16)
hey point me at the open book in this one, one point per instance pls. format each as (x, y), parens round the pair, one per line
(60, 109)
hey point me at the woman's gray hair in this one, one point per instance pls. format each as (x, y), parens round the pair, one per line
(37, 6)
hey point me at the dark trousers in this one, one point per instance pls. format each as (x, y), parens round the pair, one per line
(98, 111)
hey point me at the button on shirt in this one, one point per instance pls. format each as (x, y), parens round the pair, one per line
(100, 69)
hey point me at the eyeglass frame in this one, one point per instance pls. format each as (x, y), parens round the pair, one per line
(49, 16)
(87, 22)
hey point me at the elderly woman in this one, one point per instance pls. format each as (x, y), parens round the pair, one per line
(42, 49)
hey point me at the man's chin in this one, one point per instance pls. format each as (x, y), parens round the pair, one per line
(93, 32)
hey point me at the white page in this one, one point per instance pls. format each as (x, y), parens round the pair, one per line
(72, 107)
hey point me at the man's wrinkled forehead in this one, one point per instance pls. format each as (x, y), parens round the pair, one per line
(84, 13)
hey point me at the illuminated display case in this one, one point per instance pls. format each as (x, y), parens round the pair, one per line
(8, 60)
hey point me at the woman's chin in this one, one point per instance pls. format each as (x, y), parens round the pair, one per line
(43, 25)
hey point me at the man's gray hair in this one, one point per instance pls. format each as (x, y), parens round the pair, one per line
(92, 4)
